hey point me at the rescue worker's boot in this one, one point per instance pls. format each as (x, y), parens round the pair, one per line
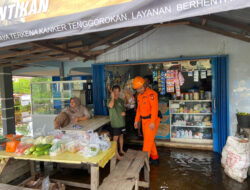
(154, 162)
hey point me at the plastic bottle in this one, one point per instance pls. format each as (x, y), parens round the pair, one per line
(190, 134)
(182, 133)
(186, 134)
(178, 134)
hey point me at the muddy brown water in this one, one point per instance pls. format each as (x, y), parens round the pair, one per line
(178, 170)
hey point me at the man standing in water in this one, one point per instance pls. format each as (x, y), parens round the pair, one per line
(147, 110)
(117, 118)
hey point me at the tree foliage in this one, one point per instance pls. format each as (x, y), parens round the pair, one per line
(21, 86)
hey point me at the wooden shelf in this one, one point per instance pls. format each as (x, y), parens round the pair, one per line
(190, 113)
(191, 101)
(199, 141)
(192, 126)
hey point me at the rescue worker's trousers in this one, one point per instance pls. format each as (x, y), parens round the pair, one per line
(149, 137)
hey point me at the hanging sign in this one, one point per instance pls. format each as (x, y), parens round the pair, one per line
(190, 73)
(196, 76)
(28, 20)
(209, 72)
(163, 82)
(203, 74)
(170, 81)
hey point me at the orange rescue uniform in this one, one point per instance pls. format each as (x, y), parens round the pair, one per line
(147, 110)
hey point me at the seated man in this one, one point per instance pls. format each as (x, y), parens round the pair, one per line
(72, 114)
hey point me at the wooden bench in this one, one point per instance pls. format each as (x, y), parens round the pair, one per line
(11, 187)
(126, 174)
(11, 169)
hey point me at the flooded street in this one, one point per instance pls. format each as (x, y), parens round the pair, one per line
(178, 170)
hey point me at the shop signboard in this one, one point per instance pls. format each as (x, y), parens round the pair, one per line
(29, 20)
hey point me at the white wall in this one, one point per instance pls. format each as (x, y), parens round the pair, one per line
(176, 41)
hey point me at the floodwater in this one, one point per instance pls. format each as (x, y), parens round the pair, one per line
(178, 170)
(191, 170)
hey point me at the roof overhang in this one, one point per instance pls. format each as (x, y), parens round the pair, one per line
(89, 43)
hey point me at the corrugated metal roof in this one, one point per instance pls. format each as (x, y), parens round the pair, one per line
(242, 15)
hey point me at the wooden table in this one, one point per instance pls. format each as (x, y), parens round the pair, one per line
(94, 124)
(73, 158)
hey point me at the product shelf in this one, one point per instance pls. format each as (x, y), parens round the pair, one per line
(201, 130)
(193, 140)
(191, 100)
(191, 113)
(192, 126)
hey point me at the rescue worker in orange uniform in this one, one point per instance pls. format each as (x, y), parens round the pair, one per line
(147, 111)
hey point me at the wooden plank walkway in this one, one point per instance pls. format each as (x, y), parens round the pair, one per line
(125, 176)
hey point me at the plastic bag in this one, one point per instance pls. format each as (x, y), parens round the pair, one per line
(57, 134)
(240, 145)
(83, 142)
(27, 140)
(90, 150)
(224, 156)
(46, 184)
(235, 160)
(72, 146)
(38, 140)
(104, 143)
(47, 139)
(94, 138)
(57, 148)
(236, 174)
(21, 147)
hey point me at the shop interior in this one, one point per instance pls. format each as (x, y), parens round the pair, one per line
(185, 96)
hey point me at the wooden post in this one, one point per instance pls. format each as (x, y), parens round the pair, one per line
(112, 164)
(136, 184)
(32, 168)
(94, 177)
(146, 171)
(7, 100)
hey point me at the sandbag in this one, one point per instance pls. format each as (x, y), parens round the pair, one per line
(236, 158)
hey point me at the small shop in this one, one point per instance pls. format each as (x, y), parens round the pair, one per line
(193, 91)
(190, 103)
(186, 87)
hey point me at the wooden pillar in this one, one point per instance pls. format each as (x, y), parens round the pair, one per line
(7, 100)
(112, 164)
(32, 168)
(94, 177)
(146, 171)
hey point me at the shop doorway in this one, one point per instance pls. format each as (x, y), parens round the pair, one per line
(210, 109)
